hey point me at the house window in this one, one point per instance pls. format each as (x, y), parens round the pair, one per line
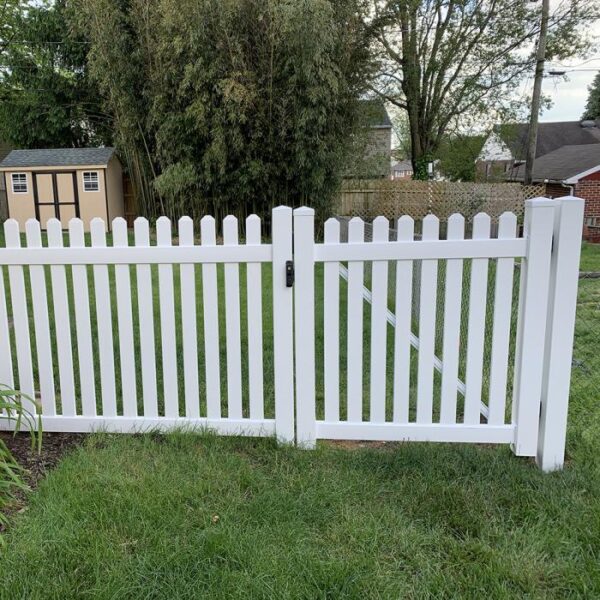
(19, 183)
(91, 181)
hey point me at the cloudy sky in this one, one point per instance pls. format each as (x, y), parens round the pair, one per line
(569, 97)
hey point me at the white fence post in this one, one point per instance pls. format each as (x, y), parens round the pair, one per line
(283, 325)
(564, 277)
(531, 333)
(304, 325)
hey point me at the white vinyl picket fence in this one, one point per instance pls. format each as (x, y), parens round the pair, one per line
(344, 359)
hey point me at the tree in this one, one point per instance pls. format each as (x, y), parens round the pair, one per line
(457, 154)
(46, 97)
(446, 60)
(592, 107)
(230, 105)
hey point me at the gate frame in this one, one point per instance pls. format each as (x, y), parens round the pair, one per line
(546, 319)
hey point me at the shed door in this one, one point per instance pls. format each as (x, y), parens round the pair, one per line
(56, 196)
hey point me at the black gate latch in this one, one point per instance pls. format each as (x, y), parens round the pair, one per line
(289, 273)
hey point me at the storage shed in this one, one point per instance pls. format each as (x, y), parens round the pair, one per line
(63, 183)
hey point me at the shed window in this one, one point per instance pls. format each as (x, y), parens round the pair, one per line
(19, 183)
(90, 181)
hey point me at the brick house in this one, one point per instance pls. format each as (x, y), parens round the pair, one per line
(572, 170)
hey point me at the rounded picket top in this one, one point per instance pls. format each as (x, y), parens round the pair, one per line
(208, 230)
(332, 230)
(33, 232)
(253, 229)
(119, 222)
(163, 231)
(252, 219)
(11, 231)
(431, 227)
(230, 230)
(141, 231)
(185, 227)
(304, 211)
(406, 228)
(119, 227)
(481, 225)
(356, 230)
(76, 233)
(456, 227)
(381, 229)
(54, 232)
(507, 225)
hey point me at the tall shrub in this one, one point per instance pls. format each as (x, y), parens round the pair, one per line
(230, 105)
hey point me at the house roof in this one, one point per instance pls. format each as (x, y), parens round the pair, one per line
(564, 163)
(375, 113)
(551, 136)
(57, 157)
(403, 165)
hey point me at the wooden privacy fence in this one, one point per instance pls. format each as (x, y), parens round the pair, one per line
(309, 359)
(369, 198)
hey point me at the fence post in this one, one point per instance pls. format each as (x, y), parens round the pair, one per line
(283, 331)
(562, 304)
(533, 303)
(304, 324)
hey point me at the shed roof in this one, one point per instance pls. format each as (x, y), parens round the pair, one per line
(57, 157)
(564, 163)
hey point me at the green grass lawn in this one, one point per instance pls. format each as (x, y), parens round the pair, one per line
(193, 516)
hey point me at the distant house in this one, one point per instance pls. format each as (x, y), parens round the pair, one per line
(505, 148)
(402, 170)
(571, 170)
(63, 183)
(373, 148)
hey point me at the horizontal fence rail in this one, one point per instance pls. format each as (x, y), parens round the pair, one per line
(403, 335)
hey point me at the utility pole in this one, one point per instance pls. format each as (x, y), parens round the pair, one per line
(537, 93)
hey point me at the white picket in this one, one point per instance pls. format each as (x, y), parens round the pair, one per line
(125, 322)
(20, 313)
(81, 299)
(189, 323)
(104, 324)
(6, 364)
(232, 324)
(283, 328)
(452, 313)
(427, 312)
(166, 297)
(146, 322)
(331, 332)
(503, 292)
(404, 279)
(379, 291)
(255, 326)
(62, 323)
(356, 232)
(476, 324)
(211, 323)
(39, 300)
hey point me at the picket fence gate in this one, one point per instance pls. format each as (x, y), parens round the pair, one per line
(83, 289)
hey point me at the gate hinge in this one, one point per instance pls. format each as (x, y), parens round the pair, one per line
(289, 273)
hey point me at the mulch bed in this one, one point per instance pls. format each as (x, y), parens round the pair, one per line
(37, 464)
